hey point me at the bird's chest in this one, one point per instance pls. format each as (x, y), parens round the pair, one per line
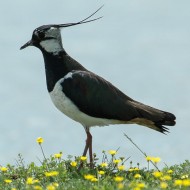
(62, 102)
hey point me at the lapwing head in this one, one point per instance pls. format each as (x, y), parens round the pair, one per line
(48, 37)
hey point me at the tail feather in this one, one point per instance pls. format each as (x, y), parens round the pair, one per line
(155, 118)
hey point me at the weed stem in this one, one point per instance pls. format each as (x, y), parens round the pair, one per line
(141, 151)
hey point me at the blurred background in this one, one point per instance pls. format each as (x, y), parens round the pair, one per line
(141, 46)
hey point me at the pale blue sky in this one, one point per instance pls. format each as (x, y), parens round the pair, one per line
(141, 46)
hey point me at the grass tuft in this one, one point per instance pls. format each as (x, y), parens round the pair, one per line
(109, 173)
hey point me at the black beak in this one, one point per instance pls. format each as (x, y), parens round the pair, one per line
(29, 43)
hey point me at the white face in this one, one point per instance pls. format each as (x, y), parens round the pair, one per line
(51, 46)
(52, 41)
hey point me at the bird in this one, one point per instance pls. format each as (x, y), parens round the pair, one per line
(86, 97)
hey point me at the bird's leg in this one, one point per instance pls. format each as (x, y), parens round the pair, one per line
(88, 146)
(88, 142)
(89, 137)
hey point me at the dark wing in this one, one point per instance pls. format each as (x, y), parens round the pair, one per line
(97, 97)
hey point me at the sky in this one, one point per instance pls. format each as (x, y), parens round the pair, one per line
(140, 46)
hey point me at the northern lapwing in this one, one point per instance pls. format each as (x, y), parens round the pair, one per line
(86, 97)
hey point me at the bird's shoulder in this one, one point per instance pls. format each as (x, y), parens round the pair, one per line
(89, 80)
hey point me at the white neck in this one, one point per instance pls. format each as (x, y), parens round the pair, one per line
(51, 46)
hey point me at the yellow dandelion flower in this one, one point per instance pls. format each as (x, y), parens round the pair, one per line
(157, 174)
(89, 177)
(178, 182)
(163, 185)
(170, 171)
(55, 184)
(83, 158)
(120, 186)
(184, 176)
(39, 140)
(104, 164)
(186, 182)
(137, 176)
(141, 185)
(4, 169)
(136, 169)
(121, 167)
(166, 178)
(116, 161)
(7, 180)
(156, 159)
(101, 172)
(51, 187)
(94, 179)
(112, 152)
(29, 181)
(131, 170)
(118, 179)
(37, 187)
(148, 158)
(13, 188)
(73, 164)
(51, 174)
(58, 155)
(137, 188)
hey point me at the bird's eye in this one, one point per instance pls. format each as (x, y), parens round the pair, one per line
(41, 35)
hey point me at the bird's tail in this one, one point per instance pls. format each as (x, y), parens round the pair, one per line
(153, 118)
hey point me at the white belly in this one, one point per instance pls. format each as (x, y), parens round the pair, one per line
(65, 105)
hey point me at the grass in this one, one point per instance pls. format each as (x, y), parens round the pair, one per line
(112, 172)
